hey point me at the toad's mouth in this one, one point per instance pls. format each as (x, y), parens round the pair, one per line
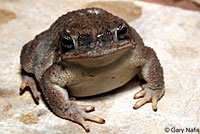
(98, 53)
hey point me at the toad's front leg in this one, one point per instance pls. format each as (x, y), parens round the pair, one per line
(53, 82)
(152, 73)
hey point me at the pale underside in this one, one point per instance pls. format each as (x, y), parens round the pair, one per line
(92, 81)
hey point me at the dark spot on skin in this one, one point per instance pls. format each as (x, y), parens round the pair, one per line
(6, 16)
(91, 75)
(55, 74)
(121, 81)
(84, 74)
(113, 78)
(66, 109)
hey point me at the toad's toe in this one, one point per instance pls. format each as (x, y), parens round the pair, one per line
(89, 117)
(29, 82)
(154, 103)
(141, 102)
(139, 94)
(87, 108)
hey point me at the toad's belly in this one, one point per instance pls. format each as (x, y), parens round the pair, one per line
(93, 82)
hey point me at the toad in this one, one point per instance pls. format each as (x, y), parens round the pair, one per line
(85, 53)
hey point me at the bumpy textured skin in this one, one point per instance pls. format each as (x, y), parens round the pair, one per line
(89, 70)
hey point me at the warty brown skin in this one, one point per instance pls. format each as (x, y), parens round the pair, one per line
(89, 52)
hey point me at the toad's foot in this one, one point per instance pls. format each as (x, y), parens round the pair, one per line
(77, 113)
(30, 82)
(149, 95)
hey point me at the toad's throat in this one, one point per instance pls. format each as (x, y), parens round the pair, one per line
(100, 60)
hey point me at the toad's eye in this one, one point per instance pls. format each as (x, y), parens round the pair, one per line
(122, 33)
(67, 42)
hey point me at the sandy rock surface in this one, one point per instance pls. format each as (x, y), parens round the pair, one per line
(174, 34)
